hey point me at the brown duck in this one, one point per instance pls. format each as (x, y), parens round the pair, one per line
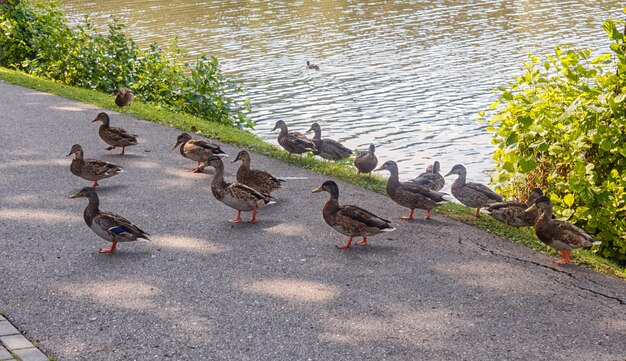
(366, 161)
(328, 148)
(109, 226)
(196, 149)
(560, 235)
(348, 220)
(514, 213)
(432, 178)
(474, 195)
(259, 180)
(114, 136)
(91, 169)
(235, 195)
(293, 142)
(410, 194)
(123, 97)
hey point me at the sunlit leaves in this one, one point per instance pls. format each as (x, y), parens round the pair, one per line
(561, 126)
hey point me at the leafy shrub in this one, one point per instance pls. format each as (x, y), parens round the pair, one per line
(561, 126)
(37, 39)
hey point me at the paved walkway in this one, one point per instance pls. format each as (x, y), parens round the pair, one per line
(205, 289)
(13, 343)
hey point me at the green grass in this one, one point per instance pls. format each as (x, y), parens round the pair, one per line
(343, 171)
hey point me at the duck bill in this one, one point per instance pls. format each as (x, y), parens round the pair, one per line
(205, 164)
(531, 208)
(449, 173)
(95, 120)
(70, 153)
(379, 169)
(77, 195)
(275, 127)
(175, 145)
(317, 190)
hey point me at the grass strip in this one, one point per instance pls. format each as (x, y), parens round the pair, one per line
(340, 170)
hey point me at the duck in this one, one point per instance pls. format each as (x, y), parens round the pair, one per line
(259, 180)
(114, 136)
(474, 195)
(366, 161)
(293, 142)
(410, 194)
(196, 149)
(432, 178)
(235, 195)
(351, 221)
(328, 148)
(91, 169)
(109, 226)
(514, 213)
(123, 97)
(312, 66)
(560, 235)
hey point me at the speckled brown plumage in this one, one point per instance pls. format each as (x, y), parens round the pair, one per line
(293, 142)
(560, 235)
(114, 136)
(473, 195)
(257, 179)
(91, 169)
(366, 161)
(514, 213)
(351, 221)
(328, 148)
(409, 194)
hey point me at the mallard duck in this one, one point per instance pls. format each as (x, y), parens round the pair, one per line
(109, 226)
(560, 235)
(328, 148)
(91, 169)
(312, 66)
(114, 136)
(350, 221)
(259, 180)
(235, 195)
(474, 195)
(366, 161)
(514, 213)
(196, 149)
(123, 97)
(293, 142)
(410, 194)
(432, 178)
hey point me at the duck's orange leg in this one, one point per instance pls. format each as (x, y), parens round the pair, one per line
(346, 245)
(109, 249)
(253, 220)
(236, 220)
(197, 169)
(95, 185)
(362, 242)
(566, 257)
(122, 152)
(410, 217)
(428, 214)
(477, 212)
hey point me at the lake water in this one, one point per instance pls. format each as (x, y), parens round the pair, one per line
(406, 76)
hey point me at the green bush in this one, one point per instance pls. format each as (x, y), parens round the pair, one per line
(37, 39)
(561, 127)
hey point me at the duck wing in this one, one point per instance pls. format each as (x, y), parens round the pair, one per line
(203, 144)
(118, 134)
(362, 216)
(572, 235)
(483, 189)
(119, 227)
(423, 190)
(100, 168)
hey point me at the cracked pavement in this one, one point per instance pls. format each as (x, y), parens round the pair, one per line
(205, 289)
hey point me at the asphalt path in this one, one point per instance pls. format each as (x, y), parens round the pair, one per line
(205, 289)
